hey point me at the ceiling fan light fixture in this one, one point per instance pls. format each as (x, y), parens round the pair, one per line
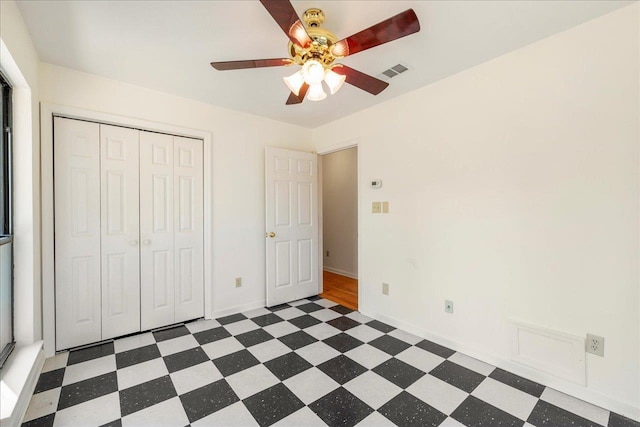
(316, 93)
(313, 72)
(334, 81)
(295, 82)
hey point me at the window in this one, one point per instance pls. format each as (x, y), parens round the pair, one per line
(6, 236)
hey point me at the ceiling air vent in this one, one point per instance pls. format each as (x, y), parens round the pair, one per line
(394, 71)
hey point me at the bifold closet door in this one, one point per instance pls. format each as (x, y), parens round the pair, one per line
(77, 235)
(120, 231)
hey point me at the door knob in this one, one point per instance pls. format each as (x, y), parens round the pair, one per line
(272, 234)
(133, 243)
(146, 242)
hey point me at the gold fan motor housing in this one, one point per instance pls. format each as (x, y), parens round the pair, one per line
(322, 40)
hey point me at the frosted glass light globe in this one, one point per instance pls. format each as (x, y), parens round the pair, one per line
(313, 72)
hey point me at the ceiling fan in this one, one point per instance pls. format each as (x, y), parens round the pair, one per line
(316, 49)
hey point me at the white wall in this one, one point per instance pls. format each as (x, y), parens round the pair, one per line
(340, 211)
(514, 191)
(19, 61)
(238, 167)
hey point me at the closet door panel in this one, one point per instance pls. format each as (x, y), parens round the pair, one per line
(189, 228)
(119, 165)
(77, 235)
(157, 255)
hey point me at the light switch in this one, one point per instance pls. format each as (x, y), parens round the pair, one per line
(385, 207)
(375, 207)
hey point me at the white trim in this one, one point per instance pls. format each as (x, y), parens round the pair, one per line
(47, 111)
(626, 409)
(20, 376)
(340, 272)
(238, 309)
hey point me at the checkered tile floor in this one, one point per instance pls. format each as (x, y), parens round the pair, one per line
(307, 363)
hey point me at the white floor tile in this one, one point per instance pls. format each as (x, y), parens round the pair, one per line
(368, 356)
(241, 327)
(95, 412)
(269, 350)
(56, 362)
(257, 312)
(42, 404)
(450, 422)
(202, 325)
(311, 385)
(326, 303)
(289, 313)
(236, 415)
(442, 396)
(302, 417)
(134, 341)
(317, 353)
(195, 377)
(376, 419)
(359, 317)
(507, 398)
(250, 381)
(364, 333)
(325, 315)
(405, 336)
(322, 331)
(167, 413)
(141, 373)
(89, 369)
(372, 389)
(299, 302)
(577, 406)
(473, 364)
(281, 329)
(423, 360)
(177, 345)
(222, 347)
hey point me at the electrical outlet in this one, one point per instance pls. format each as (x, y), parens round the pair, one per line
(238, 282)
(376, 207)
(385, 289)
(448, 306)
(595, 345)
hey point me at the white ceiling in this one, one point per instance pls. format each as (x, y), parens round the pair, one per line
(168, 45)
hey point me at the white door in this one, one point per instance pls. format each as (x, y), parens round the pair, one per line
(157, 260)
(189, 228)
(292, 225)
(77, 238)
(120, 231)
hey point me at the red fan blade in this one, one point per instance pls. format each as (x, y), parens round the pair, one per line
(297, 99)
(361, 80)
(251, 63)
(401, 25)
(284, 14)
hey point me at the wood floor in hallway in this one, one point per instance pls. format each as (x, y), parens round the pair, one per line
(340, 289)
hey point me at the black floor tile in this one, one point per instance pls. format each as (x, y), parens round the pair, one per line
(114, 423)
(314, 298)
(382, 327)
(297, 340)
(137, 355)
(389, 344)
(185, 359)
(85, 354)
(407, 410)
(342, 369)
(267, 319)
(398, 372)
(304, 321)
(287, 365)
(279, 307)
(458, 376)
(343, 323)
(435, 348)
(167, 334)
(546, 414)
(147, 394)
(341, 309)
(475, 412)
(46, 421)
(235, 362)
(343, 342)
(273, 404)
(254, 337)
(309, 307)
(231, 319)
(515, 381)
(211, 335)
(83, 391)
(208, 399)
(341, 408)
(616, 420)
(49, 380)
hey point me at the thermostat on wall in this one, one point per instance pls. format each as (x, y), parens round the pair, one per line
(376, 183)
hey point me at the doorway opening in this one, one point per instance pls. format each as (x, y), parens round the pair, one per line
(340, 227)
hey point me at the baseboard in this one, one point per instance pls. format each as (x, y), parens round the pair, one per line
(20, 375)
(626, 409)
(238, 309)
(340, 272)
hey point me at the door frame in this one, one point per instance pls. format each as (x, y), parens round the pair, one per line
(47, 112)
(351, 143)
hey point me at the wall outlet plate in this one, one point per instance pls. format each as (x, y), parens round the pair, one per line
(238, 282)
(385, 288)
(448, 306)
(376, 207)
(595, 345)
(385, 207)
